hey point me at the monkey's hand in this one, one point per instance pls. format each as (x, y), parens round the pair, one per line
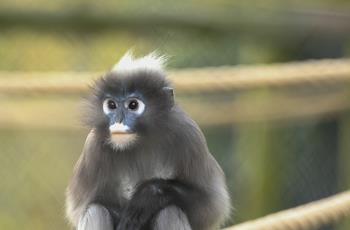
(148, 199)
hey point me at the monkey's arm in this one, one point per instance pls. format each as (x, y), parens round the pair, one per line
(86, 207)
(154, 195)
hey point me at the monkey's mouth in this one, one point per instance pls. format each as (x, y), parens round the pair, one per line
(118, 129)
(118, 133)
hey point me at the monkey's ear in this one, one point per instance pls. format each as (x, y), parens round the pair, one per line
(170, 94)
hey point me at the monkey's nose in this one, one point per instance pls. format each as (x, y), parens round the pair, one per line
(119, 128)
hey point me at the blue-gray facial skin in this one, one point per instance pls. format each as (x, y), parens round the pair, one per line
(123, 111)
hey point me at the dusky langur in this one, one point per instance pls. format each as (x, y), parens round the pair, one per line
(145, 164)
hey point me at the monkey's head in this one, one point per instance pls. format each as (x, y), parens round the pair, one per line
(130, 102)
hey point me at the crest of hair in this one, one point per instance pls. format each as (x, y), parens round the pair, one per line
(153, 62)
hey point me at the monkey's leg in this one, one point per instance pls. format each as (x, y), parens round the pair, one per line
(171, 218)
(96, 217)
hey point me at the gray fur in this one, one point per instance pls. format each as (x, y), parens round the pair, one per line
(170, 146)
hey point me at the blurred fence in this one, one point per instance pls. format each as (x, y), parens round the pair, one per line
(309, 216)
(281, 133)
(331, 75)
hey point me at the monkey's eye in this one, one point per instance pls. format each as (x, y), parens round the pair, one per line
(109, 105)
(135, 105)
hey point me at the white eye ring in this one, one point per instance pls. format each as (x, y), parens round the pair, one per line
(109, 105)
(135, 105)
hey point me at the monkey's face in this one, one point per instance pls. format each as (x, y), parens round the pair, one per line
(130, 108)
(122, 114)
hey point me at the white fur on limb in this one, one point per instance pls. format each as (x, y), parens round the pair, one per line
(172, 218)
(129, 64)
(96, 217)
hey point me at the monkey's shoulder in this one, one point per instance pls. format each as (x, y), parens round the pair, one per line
(185, 132)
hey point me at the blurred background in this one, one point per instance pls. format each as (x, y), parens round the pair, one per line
(277, 147)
